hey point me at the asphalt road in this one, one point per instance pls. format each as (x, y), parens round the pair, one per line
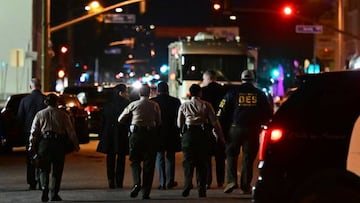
(84, 180)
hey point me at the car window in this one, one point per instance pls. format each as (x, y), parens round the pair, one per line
(93, 95)
(69, 101)
(13, 102)
(316, 106)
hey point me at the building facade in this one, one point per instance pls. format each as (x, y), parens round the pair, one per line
(16, 47)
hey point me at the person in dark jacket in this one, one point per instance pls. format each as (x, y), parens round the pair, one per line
(169, 136)
(247, 108)
(213, 92)
(28, 107)
(114, 137)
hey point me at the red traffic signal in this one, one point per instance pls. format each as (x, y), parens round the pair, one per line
(287, 10)
(216, 5)
(64, 49)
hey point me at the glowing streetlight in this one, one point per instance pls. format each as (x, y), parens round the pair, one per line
(95, 7)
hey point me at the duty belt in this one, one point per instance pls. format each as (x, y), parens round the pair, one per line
(48, 135)
(134, 128)
(199, 126)
(195, 126)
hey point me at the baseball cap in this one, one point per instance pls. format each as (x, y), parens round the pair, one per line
(247, 75)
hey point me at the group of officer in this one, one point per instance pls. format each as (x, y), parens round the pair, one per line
(212, 123)
(236, 125)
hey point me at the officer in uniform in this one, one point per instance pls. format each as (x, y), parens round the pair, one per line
(114, 140)
(144, 116)
(170, 141)
(246, 108)
(28, 107)
(47, 140)
(194, 116)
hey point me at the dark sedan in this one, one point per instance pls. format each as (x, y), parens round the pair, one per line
(13, 132)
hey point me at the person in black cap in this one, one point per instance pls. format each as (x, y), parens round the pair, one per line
(246, 108)
(170, 141)
(113, 136)
(49, 130)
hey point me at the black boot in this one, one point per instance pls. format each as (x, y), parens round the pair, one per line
(45, 195)
(135, 191)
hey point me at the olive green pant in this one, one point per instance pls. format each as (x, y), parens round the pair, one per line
(195, 146)
(143, 148)
(52, 155)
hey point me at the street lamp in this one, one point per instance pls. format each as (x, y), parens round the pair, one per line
(95, 7)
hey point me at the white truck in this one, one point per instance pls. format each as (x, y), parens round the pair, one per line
(190, 57)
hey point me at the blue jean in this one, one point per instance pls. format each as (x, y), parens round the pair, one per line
(165, 165)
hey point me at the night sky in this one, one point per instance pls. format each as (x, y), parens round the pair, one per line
(273, 34)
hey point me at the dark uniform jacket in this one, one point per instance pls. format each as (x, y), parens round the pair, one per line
(245, 106)
(28, 107)
(113, 135)
(169, 132)
(213, 93)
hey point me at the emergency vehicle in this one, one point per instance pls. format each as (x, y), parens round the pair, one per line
(189, 58)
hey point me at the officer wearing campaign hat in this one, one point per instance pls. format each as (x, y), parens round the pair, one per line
(245, 108)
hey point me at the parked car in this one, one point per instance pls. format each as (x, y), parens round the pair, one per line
(92, 98)
(13, 133)
(303, 150)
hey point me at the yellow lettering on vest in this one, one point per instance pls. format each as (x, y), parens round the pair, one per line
(247, 99)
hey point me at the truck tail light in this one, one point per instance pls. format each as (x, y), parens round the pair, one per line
(268, 136)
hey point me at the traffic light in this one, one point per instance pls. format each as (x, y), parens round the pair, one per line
(77, 65)
(61, 73)
(64, 49)
(287, 10)
(217, 5)
(275, 73)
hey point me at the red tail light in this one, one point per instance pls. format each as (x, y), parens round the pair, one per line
(268, 136)
(90, 108)
(276, 135)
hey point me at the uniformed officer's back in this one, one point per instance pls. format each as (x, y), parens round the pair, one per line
(144, 117)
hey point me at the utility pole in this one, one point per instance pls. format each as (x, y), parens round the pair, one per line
(45, 69)
(340, 59)
(36, 37)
